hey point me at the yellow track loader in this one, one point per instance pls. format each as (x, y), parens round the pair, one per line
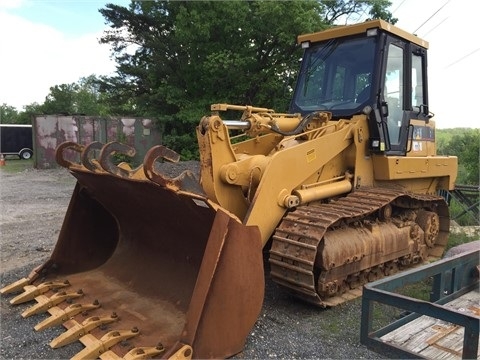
(340, 191)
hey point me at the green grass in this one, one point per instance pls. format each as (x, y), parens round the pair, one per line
(385, 314)
(459, 239)
(421, 290)
(456, 209)
(16, 165)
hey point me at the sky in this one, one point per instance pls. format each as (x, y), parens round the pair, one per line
(44, 43)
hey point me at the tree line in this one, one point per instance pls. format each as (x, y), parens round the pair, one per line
(465, 144)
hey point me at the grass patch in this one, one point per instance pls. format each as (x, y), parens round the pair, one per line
(467, 219)
(16, 165)
(384, 314)
(421, 289)
(455, 239)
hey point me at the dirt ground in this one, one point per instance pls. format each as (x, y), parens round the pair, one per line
(33, 204)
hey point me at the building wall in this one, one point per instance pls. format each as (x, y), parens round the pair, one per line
(49, 131)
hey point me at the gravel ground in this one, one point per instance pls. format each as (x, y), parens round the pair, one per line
(33, 206)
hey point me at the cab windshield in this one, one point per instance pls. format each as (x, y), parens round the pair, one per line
(336, 76)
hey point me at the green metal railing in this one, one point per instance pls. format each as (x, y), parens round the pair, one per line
(452, 277)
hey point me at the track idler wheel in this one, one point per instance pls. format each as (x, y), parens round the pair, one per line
(390, 268)
(385, 213)
(430, 224)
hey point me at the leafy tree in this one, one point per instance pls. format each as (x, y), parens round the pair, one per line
(190, 54)
(175, 58)
(82, 97)
(88, 98)
(379, 10)
(464, 143)
(335, 10)
(29, 111)
(61, 99)
(8, 114)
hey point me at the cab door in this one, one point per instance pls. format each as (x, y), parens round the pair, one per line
(405, 95)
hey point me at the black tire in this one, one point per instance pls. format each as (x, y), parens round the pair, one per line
(26, 154)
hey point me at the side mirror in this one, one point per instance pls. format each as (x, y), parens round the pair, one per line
(423, 109)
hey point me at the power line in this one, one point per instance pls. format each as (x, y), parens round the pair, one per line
(462, 58)
(440, 23)
(393, 11)
(431, 16)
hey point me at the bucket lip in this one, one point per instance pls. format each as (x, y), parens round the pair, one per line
(198, 199)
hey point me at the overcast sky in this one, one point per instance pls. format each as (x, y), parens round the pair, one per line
(51, 42)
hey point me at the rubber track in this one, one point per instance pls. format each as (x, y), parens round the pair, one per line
(297, 238)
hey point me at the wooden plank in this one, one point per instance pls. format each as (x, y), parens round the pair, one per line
(434, 338)
(404, 333)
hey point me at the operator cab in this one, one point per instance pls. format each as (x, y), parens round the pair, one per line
(371, 68)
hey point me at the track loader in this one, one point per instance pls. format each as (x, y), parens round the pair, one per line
(340, 191)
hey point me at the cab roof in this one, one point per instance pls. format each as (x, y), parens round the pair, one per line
(346, 30)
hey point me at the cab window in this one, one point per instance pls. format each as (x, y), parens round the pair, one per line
(393, 92)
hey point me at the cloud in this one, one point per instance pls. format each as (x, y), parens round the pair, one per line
(11, 4)
(36, 57)
(448, 27)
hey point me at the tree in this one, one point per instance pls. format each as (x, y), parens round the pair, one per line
(8, 114)
(88, 98)
(464, 143)
(175, 58)
(29, 111)
(336, 10)
(61, 99)
(82, 97)
(190, 54)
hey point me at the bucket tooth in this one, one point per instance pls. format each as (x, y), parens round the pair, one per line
(70, 146)
(88, 159)
(106, 162)
(159, 152)
(44, 302)
(77, 330)
(95, 347)
(32, 291)
(15, 286)
(186, 181)
(138, 353)
(184, 353)
(59, 316)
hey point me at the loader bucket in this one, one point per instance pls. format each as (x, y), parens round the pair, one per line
(177, 276)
